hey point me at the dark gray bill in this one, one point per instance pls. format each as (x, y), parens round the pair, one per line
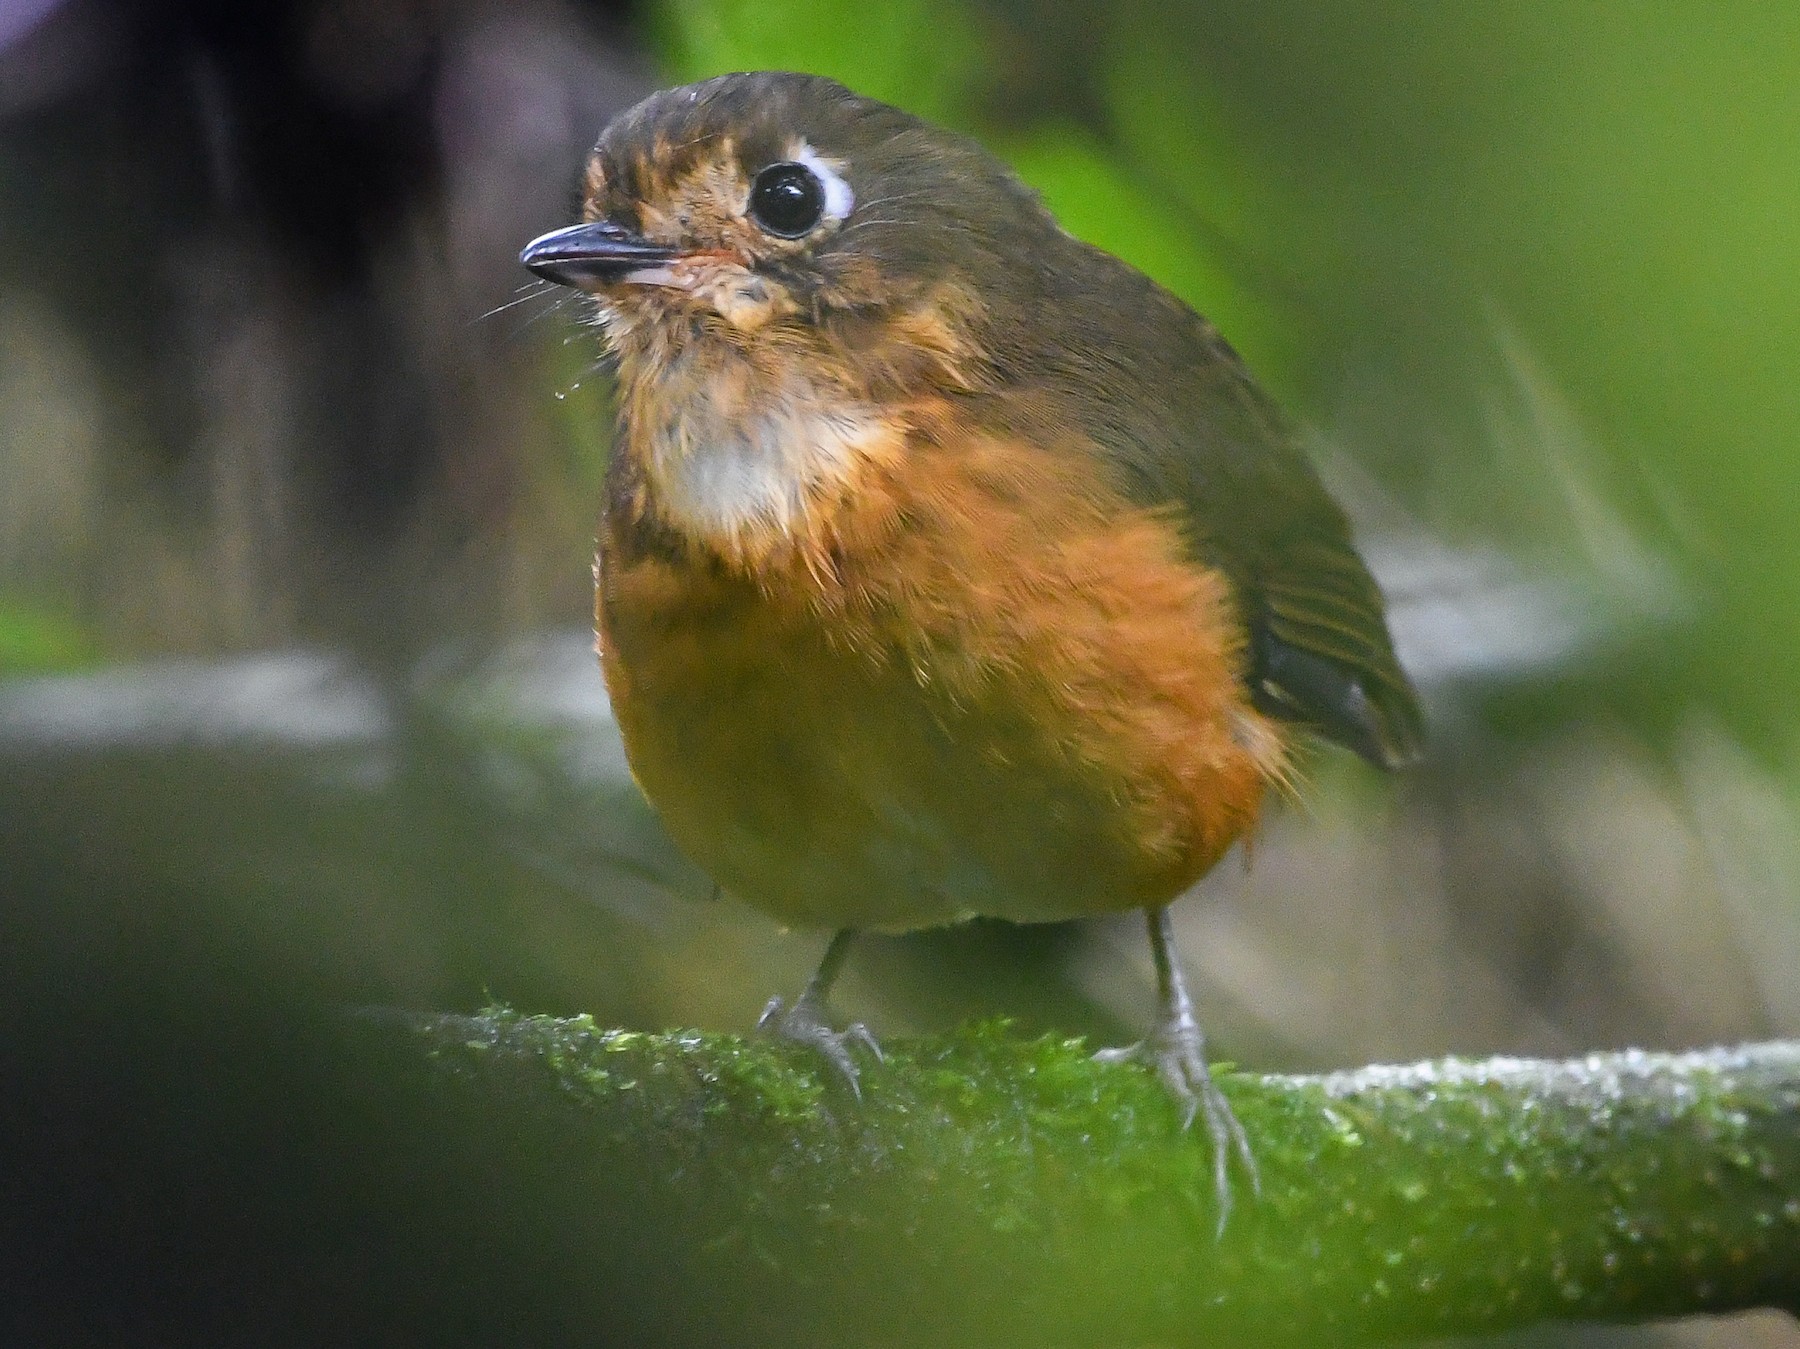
(600, 251)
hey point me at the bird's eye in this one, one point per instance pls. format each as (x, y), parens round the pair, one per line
(787, 200)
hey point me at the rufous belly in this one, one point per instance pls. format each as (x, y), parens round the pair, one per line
(968, 700)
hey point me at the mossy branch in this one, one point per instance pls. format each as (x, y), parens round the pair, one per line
(989, 1189)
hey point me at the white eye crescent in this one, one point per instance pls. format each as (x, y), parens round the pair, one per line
(839, 198)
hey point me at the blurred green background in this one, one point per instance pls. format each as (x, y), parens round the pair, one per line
(298, 481)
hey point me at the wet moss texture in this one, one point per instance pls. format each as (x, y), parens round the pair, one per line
(992, 1189)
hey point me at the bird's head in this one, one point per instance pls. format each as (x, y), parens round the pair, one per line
(773, 206)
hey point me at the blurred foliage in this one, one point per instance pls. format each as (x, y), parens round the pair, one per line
(923, 55)
(35, 640)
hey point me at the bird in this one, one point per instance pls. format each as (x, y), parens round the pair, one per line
(948, 565)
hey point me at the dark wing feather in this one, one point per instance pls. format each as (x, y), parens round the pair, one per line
(1174, 413)
(1320, 651)
(1321, 655)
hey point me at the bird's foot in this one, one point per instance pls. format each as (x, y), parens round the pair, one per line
(805, 1023)
(1176, 1049)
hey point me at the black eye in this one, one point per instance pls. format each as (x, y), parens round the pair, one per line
(787, 199)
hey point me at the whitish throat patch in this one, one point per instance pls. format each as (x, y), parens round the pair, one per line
(734, 470)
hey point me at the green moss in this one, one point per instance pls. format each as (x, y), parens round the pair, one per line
(1445, 1197)
(763, 1074)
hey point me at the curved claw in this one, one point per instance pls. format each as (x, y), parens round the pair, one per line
(805, 1024)
(1175, 1052)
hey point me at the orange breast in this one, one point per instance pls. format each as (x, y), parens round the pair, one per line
(974, 684)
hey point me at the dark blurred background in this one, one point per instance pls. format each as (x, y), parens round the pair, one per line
(298, 475)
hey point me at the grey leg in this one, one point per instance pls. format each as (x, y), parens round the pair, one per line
(808, 1023)
(1176, 1048)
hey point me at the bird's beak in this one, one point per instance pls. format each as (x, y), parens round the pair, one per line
(599, 251)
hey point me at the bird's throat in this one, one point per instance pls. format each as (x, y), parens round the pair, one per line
(744, 453)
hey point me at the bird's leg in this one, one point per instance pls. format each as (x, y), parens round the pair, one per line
(1177, 1050)
(808, 1023)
